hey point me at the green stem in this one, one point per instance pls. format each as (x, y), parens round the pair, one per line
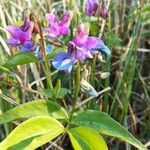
(77, 82)
(93, 67)
(107, 69)
(43, 52)
(77, 88)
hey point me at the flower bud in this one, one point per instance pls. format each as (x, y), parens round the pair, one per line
(103, 11)
(104, 75)
(91, 7)
(87, 88)
(100, 58)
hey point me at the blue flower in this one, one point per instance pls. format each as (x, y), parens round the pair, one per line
(62, 61)
(49, 50)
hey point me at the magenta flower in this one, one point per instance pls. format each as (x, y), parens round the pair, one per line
(20, 35)
(58, 27)
(81, 47)
(91, 7)
(23, 37)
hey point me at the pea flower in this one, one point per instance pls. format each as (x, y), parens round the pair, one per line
(20, 35)
(91, 7)
(26, 37)
(81, 47)
(58, 27)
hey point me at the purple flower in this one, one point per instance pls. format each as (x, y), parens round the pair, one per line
(103, 11)
(27, 38)
(20, 35)
(81, 47)
(58, 27)
(91, 7)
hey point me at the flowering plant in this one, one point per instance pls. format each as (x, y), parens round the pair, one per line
(68, 44)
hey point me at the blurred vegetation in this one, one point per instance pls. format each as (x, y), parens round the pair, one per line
(126, 33)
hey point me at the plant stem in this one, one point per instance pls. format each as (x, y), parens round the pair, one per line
(43, 52)
(77, 88)
(107, 69)
(93, 67)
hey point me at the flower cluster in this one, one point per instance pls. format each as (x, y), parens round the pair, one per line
(20, 35)
(58, 27)
(27, 37)
(93, 8)
(81, 47)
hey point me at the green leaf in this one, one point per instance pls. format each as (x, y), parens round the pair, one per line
(103, 123)
(34, 127)
(35, 142)
(84, 138)
(5, 70)
(20, 59)
(32, 109)
(57, 88)
(62, 93)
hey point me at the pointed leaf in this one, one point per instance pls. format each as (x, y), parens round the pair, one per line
(20, 59)
(103, 123)
(58, 87)
(62, 93)
(35, 142)
(34, 108)
(86, 138)
(31, 128)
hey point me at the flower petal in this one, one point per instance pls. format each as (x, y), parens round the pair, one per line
(92, 42)
(103, 11)
(104, 50)
(17, 33)
(82, 34)
(52, 32)
(50, 17)
(58, 28)
(37, 53)
(28, 26)
(62, 61)
(64, 31)
(97, 44)
(77, 51)
(66, 19)
(89, 55)
(27, 47)
(49, 49)
(12, 29)
(13, 42)
(91, 7)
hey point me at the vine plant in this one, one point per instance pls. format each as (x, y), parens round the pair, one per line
(44, 120)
